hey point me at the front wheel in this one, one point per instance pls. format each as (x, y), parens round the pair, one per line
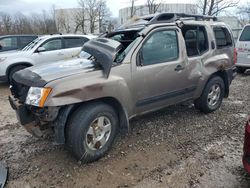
(212, 95)
(91, 131)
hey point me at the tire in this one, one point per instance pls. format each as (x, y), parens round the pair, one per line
(211, 97)
(14, 70)
(79, 138)
(241, 70)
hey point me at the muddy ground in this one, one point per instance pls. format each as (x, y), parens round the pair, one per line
(176, 147)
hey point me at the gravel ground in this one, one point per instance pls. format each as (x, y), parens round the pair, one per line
(175, 147)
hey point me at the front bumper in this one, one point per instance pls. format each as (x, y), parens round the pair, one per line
(246, 148)
(25, 117)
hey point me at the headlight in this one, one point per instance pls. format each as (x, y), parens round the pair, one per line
(37, 96)
(2, 58)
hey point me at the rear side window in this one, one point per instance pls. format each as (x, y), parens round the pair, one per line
(195, 39)
(222, 37)
(74, 42)
(245, 35)
(24, 41)
(8, 43)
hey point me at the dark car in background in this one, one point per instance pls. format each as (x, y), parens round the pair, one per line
(15, 42)
(246, 149)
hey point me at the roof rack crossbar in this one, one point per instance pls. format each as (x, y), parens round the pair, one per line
(171, 17)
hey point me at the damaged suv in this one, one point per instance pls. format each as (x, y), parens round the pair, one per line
(153, 62)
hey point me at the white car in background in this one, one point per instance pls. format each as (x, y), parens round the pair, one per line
(49, 48)
(243, 50)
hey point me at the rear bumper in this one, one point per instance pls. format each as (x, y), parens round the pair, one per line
(242, 65)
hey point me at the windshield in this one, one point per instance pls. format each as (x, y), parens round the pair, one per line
(245, 35)
(121, 55)
(32, 44)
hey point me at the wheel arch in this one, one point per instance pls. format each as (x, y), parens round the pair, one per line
(224, 75)
(66, 111)
(17, 64)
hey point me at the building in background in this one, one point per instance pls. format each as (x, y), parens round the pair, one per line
(142, 10)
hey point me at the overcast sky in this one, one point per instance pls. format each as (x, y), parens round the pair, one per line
(28, 6)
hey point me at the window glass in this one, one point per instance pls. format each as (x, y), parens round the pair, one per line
(54, 44)
(195, 39)
(245, 35)
(162, 46)
(74, 42)
(24, 41)
(222, 37)
(8, 43)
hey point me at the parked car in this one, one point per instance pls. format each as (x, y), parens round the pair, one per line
(243, 50)
(44, 49)
(15, 42)
(246, 149)
(157, 61)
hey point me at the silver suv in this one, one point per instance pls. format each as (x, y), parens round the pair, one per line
(152, 63)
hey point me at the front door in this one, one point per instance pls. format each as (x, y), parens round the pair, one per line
(161, 76)
(53, 52)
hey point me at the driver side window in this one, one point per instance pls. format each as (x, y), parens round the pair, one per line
(160, 47)
(54, 44)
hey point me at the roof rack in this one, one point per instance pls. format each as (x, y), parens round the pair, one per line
(171, 17)
(164, 18)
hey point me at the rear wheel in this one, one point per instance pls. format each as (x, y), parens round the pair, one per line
(212, 95)
(13, 70)
(241, 70)
(91, 131)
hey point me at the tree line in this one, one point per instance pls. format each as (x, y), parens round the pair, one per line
(94, 15)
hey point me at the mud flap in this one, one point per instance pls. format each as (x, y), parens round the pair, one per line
(3, 174)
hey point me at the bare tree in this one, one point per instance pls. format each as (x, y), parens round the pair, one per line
(62, 20)
(6, 22)
(132, 8)
(153, 6)
(92, 13)
(214, 7)
(244, 13)
(80, 17)
(103, 14)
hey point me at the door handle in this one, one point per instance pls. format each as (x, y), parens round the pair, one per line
(60, 53)
(179, 68)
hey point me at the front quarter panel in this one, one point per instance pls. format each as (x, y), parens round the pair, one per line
(94, 85)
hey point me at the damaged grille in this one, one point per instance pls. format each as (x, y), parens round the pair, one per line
(19, 91)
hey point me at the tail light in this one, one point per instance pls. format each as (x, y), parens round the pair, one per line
(235, 55)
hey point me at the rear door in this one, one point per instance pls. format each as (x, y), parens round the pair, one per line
(53, 51)
(73, 46)
(243, 47)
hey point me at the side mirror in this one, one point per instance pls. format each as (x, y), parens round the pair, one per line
(139, 58)
(41, 49)
(213, 45)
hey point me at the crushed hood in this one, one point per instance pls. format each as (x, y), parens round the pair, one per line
(104, 50)
(39, 76)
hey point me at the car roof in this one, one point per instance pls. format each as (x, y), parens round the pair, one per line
(25, 35)
(66, 35)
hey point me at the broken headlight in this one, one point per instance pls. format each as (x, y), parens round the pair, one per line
(37, 96)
